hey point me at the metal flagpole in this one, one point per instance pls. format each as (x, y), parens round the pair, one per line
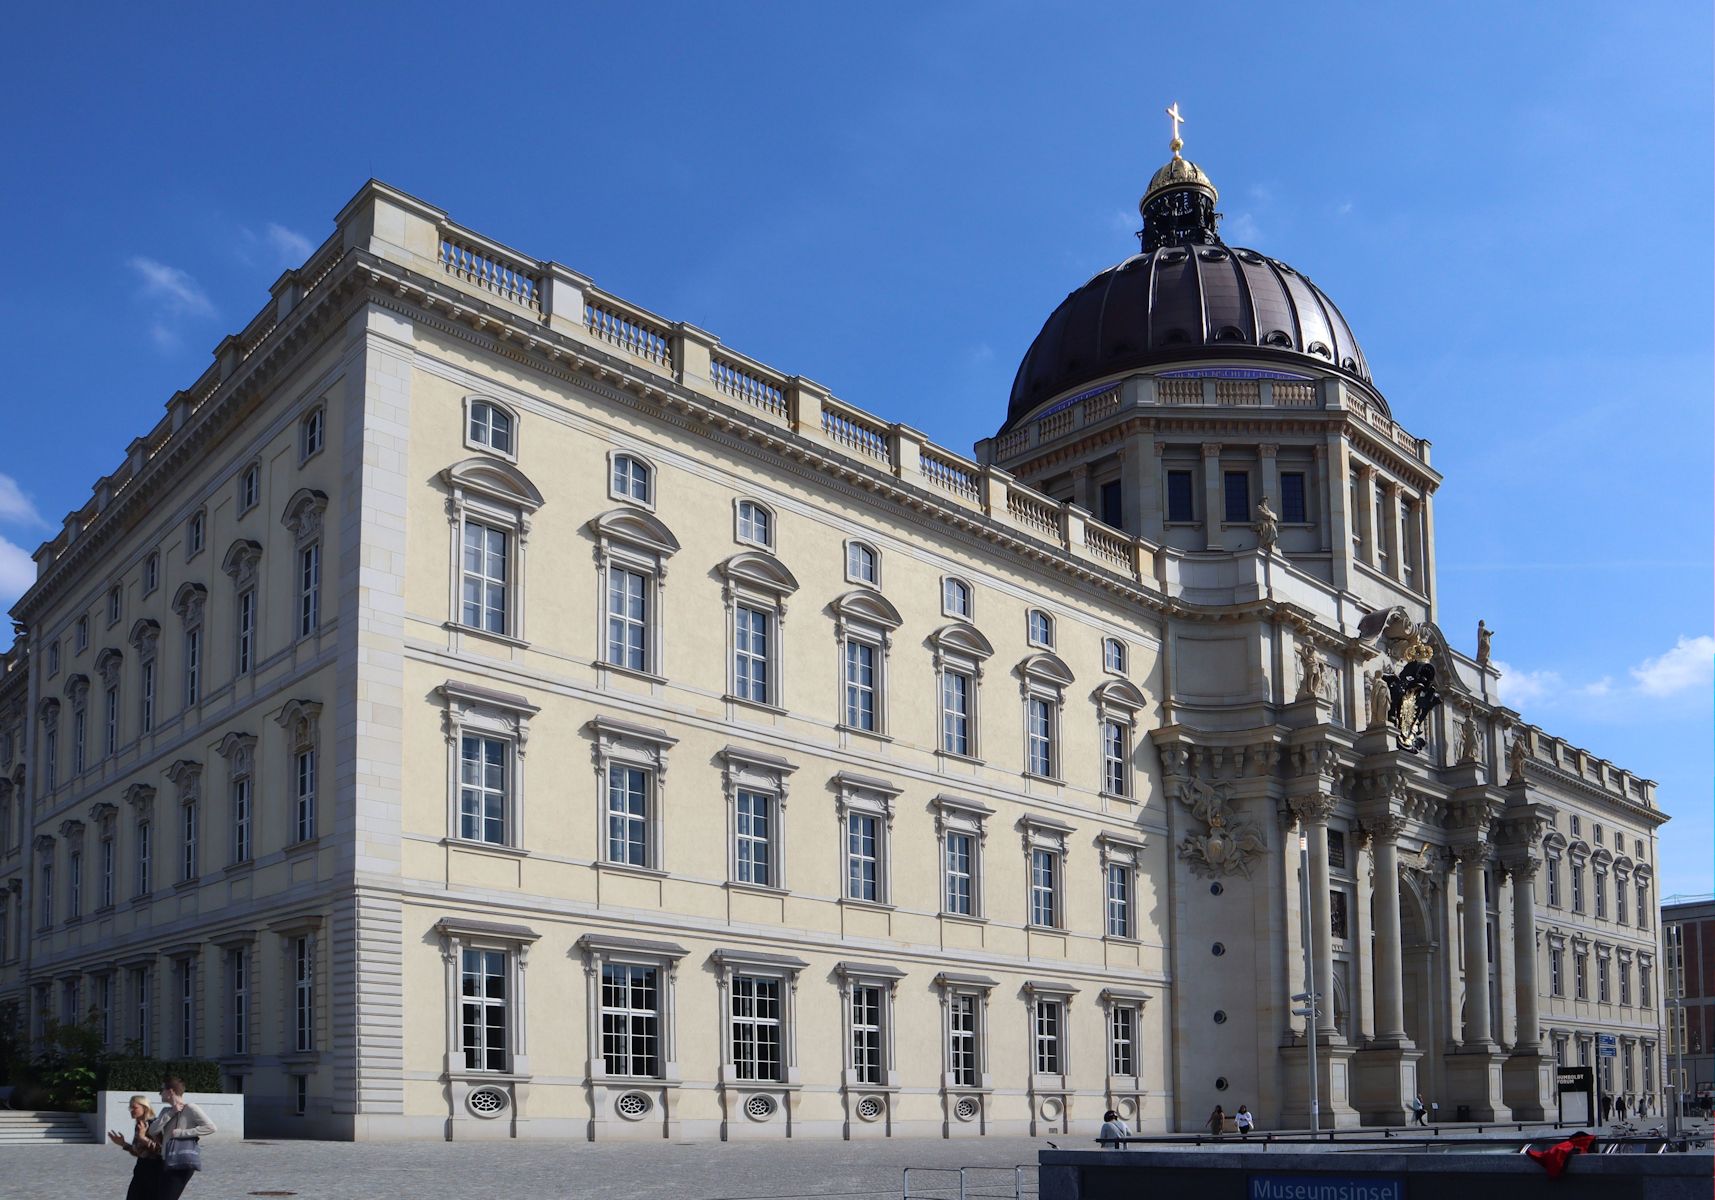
(1308, 995)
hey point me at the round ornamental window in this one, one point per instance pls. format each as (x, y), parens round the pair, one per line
(1216, 889)
(1127, 1109)
(633, 1106)
(1050, 1109)
(967, 1108)
(759, 1108)
(1221, 1084)
(1220, 1016)
(870, 1108)
(487, 1102)
(1218, 949)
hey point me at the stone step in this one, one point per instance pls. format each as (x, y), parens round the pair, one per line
(42, 1128)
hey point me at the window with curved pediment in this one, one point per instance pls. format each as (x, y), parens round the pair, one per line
(1043, 679)
(959, 652)
(864, 622)
(305, 514)
(755, 588)
(632, 552)
(490, 505)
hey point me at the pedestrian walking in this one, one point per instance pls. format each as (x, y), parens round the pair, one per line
(1607, 1108)
(146, 1172)
(1620, 1108)
(1418, 1111)
(1217, 1121)
(177, 1129)
(1244, 1120)
(1113, 1131)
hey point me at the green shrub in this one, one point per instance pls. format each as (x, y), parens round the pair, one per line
(144, 1074)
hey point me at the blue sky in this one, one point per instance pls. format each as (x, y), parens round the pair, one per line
(1511, 204)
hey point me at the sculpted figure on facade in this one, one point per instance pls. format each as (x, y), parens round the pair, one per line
(1381, 699)
(1484, 636)
(1267, 526)
(1231, 841)
(1315, 680)
(1517, 754)
(1470, 744)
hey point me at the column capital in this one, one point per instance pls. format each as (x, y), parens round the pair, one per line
(1211, 449)
(1364, 470)
(1385, 827)
(1268, 449)
(1390, 486)
(1314, 809)
(1471, 852)
(1522, 868)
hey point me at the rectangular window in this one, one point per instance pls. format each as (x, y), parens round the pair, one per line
(74, 884)
(482, 1007)
(309, 589)
(962, 1059)
(863, 863)
(142, 858)
(300, 1094)
(303, 993)
(1643, 906)
(1602, 894)
(754, 831)
(1604, 993)
(1050, 1017)
(1119, 900)
(50, 759)
(956, 713)
(1577, 888)
(867, 1054)
(1580, 975)
(193, 666)
(961, 874)
(304, 806)
(755, 1027)
(1115, 759)
(1643, 984)
(187, 1009)
(1039, 748)
(310, 434)
(151, 573)
(81, 638)
(108, 855)
(1179, 497)
(142, 1018)
(482, 789)
(485, 578)
(1292, 509)
(249, 489)
(103, 1005)
(1625, 983)
(628, 619)
(1554, 882)
(46, 909)
(1556, 969)
(238, 987)
(146, 698)
(1620, 901)
(188, 821)
(246, 650)
(1122, 1040)
(241, 816)
(79, 740)
(1339, 923)
(628, 816)
(752, 629)
(630, 1020)
(1044, 888)
(1238, 497)
(860, 685)
(1109, 507)
(1337, 849)
(110, 723)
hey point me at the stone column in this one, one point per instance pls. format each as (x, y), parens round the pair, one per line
(1214, 497)
(1478, 1034)
(1366, 506)
(1390, 1000)
(1524, 954)
(1314, 811)
(1394, 509)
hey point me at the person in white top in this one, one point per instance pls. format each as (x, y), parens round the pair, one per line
(1113, 1131)
(1244, 1119)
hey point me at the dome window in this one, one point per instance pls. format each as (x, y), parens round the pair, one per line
(1173, 256)
(1175, 337)
(1229, 333)
(1212, 255)
(1321, 349)
(1251, 257)
(1278, 337)
(1349, 364)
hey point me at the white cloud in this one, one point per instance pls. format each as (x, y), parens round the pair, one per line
(1689, 665)
(291, 245)
(17, 508)
(173, 288)
(1242, 228)
(1519, 688)
(17, 572)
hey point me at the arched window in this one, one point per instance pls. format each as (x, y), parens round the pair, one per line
(755, 524)
(1113, 656)
(1040, 627)
(863, 564)
(956, 598)
(633, 479)
(490, 427)
(312, 432)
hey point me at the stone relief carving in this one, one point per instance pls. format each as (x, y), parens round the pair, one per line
(1315, 678)
(1231, 842)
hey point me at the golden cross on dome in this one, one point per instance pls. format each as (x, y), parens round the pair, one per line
(1177, 121)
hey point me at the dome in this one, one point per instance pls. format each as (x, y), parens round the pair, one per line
(1178, 173)
(1178, 302)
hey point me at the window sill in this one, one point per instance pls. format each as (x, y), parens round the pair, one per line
(494, 848)
(1033, 927)
(141, 901)
(487, 635)
(758, 889)
(629, 869)
(962, 918)
(1053, 779)
(467, 1075)
(299, 849)
(955, 756)
(74, 919)
(106, 910)
(186, 885)
(301, 1058)
(872, 905)
(1118, 940)
(634, 1081)
(758, 705)
(1125, 796)
(242, 866)
(601, 664)
(873, 734)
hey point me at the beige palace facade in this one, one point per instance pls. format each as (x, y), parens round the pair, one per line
(483, 708)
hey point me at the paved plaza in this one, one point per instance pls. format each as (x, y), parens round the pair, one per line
(555, 1170)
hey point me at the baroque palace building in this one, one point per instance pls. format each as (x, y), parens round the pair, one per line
(481, 707)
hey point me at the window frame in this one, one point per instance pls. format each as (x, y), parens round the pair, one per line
(239, 751)
(881, 1074)
(753, 772)
(459, 936)
(956, 816)
(1113, 1001)
(312, 433)
(960, 649)
(779, 970)
(957, 585)
(650, 475)
(1170, 514)
(962, 993)
(479, 712)
(856, 552)
(495, 495)
(1303, 506)
(1116, 656)
(746, 510)
(860, 798)
(196, 533)
(1044, 835)
(620, 745)
(473, 441)
(633, 541)
(1039, 628)
(1122, 853)
(759, 583)
(249, 487)
(601, 951)
(1043, 679)
(864, 618)
(1048, 1004)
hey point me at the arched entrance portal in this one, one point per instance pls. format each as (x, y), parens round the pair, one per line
(1421, 980)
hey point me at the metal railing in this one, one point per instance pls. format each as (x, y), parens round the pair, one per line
(970, 1183)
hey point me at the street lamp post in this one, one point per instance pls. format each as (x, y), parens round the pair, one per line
(1308, 996)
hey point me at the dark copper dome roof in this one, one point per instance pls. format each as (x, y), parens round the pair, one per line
(1180, 302)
